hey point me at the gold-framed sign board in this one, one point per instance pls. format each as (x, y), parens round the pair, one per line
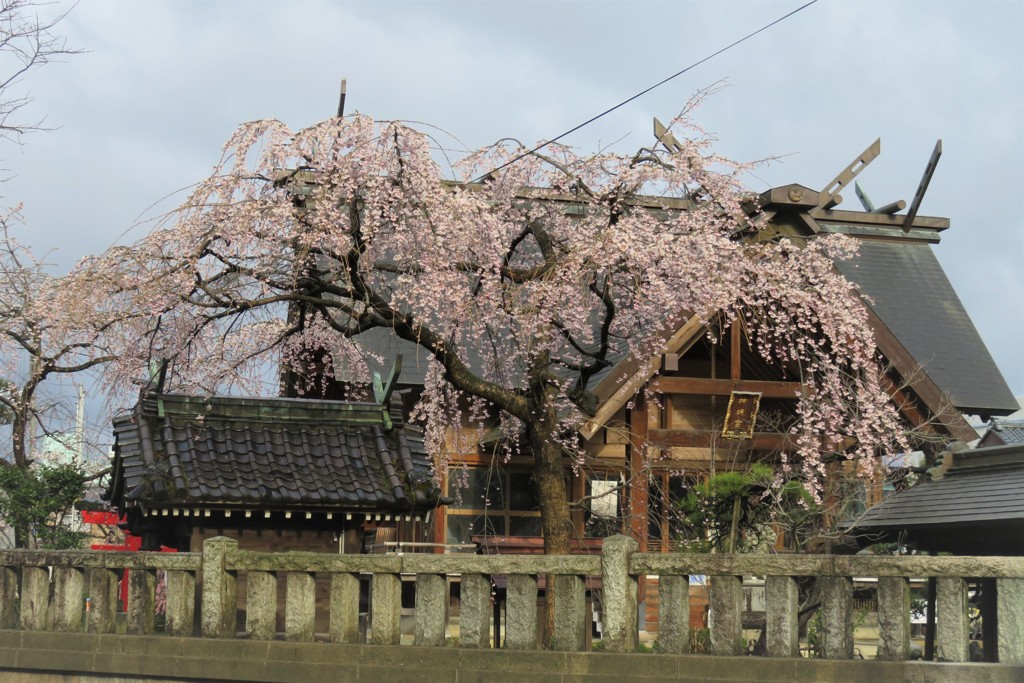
(741, 414)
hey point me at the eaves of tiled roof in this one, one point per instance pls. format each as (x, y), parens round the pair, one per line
(269, 453)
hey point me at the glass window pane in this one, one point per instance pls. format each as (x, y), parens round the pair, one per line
(522, 493)
(477, 488)
(462, 528)
(524, 526)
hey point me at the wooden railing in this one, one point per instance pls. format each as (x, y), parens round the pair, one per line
(78, 591)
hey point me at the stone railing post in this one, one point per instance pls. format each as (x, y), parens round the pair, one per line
(674, 613)
(570, 613)
(836, 617)
(300, 606)
(893, 618)
(951, 622)
(618, 595)
(8, 593)
(1010, 623)
(344, 608)
(782, 619)
(181, 601)
(521, 612)
(220, 598)
(726, 601)
(102, 616)
(141, 601)
(35, 597)
(261, 605)
(68, 598)
(475, 611)
(385, 609)
(431, 608)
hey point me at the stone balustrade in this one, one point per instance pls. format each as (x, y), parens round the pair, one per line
(77, 591)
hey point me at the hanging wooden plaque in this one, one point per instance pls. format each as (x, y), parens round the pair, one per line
(741, 414)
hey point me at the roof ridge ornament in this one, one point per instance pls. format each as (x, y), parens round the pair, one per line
(665, 137)
(382, 390)
(830, 195)
(890, 208)
(922, 187)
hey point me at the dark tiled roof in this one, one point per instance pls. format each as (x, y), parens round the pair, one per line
(269, 453)
(913, 297)
(1007, 431)
(983, 490)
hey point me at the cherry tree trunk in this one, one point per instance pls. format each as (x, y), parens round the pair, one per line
(549, 472)
(552, 495)
(20, 455)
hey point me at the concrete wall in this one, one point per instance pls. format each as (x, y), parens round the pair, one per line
(41, 657)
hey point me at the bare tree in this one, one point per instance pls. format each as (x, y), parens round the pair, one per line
(27, 43)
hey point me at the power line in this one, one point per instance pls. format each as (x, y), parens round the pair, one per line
(645, 91)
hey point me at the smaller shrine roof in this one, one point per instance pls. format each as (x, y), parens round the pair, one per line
(976, 507)
(269, 453)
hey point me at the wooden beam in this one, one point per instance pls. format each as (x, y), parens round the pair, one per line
(579, 490)
(943, 412)
(630, 375)
(699, 438)
(725, 387)
(705, 438)
(907, 406)
(638, 472)
(880, 219)
(735, 347)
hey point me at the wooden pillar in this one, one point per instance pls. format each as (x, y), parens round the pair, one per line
(639, 473)
(578, 482)
(929, 621)
(735, 341)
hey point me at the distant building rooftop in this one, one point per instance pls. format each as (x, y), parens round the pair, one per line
(975, 508)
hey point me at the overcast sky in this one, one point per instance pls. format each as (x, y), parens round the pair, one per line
(145, 111)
